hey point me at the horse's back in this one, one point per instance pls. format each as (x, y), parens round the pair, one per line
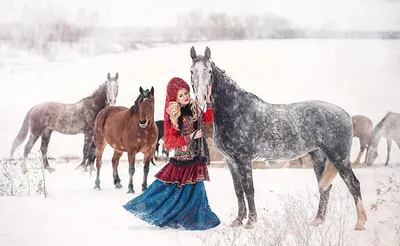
(110, 112)
(286, 131)
(325, 111)
(362, 125)
(392, 126)
(113, 110)
(60, 117)
(323, 118)
(49, 108)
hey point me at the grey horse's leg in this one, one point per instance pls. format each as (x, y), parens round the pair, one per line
(86, 144)
(43, 148)
(237, 183)
(347, 174)
(389, 146)
(324, 175)
(248, 186)
(28, 147)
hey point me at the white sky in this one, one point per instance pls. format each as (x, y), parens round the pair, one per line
(347, 14)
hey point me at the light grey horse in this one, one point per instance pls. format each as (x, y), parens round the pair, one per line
(388, 128)
(71, 119)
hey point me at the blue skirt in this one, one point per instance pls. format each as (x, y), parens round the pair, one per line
(169, 205)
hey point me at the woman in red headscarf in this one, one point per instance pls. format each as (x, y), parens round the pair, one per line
(177, 198)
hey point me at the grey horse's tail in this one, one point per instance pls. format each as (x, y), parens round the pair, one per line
(23, 132)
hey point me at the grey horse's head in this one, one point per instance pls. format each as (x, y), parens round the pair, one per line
(112, 89)
(201, 74)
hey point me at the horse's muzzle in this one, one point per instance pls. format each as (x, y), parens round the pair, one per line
(143, 124)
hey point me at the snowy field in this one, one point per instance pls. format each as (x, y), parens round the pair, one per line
(362, 76)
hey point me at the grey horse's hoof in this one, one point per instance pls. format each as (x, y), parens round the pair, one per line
(50, 169)
(236, 223)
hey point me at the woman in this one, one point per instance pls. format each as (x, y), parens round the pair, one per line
(177, 198)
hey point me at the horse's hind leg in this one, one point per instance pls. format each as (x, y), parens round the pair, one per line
(100, 146)
(353, 185)
(43, 148)
(362, 149)
(237, 183)
(28, 147)
(115, 161)
(325, 172)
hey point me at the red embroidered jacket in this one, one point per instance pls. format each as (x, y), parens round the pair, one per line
(172, 139)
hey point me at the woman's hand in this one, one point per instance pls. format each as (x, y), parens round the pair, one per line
(208, 93)
(196, 135)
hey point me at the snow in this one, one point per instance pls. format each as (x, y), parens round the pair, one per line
(362, 76)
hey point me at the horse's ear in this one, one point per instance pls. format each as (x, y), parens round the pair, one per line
(193, 53)
(152, 90)
(207, 53)
(141, 90)
(116, 76)
(108, 76)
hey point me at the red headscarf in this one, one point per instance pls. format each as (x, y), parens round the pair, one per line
(174, 85)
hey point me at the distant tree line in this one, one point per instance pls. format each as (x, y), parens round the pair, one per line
(48, 32)
(198, 26)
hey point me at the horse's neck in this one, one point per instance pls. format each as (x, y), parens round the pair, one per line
(376, 136)
(98, 98)
(381, 130)
(223, 88)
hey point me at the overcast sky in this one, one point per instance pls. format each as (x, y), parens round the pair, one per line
(344, 14)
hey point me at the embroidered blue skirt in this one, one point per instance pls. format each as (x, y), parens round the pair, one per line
(169, 205)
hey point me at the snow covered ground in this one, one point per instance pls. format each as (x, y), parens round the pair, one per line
(362, 76)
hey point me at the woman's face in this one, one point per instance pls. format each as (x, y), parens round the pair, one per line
(183, 97)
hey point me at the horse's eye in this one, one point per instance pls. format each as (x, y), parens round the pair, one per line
(191, 72)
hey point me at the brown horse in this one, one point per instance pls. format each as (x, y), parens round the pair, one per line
(71, 119)
(127, 130)
(362, 128)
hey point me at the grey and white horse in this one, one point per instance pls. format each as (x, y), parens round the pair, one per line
(71, 119)
(388, 128)
(246, 127)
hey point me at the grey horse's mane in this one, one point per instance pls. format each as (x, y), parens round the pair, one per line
(231, 81)
(95, 92)
(378, 127)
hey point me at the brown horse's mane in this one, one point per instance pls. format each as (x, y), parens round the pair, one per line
(135, 108)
